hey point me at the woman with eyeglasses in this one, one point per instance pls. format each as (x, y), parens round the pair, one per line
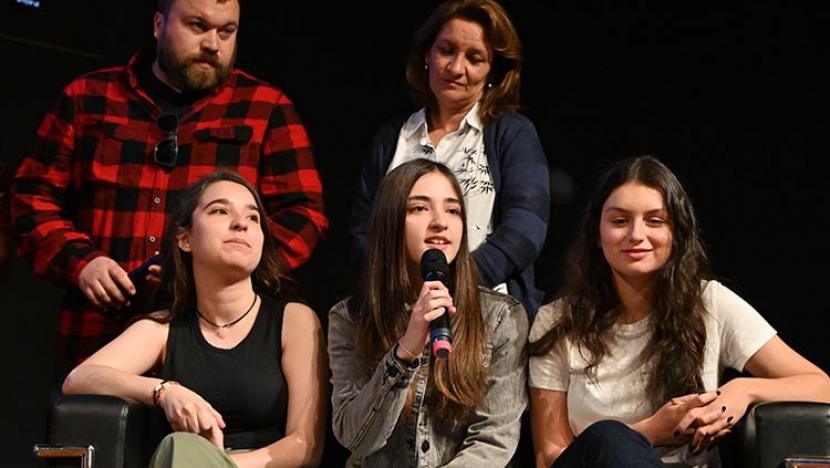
(625, 366)
(237, 368)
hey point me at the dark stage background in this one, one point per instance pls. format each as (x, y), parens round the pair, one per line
(730, 94)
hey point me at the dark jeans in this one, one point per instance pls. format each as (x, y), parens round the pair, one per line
(607, 444)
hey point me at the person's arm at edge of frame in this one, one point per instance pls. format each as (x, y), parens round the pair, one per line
(779, 373)
(290, 185)
(523, 204)
(305, 368)
(57, 250)
(508, 369)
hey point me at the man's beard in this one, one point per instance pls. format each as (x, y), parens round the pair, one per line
(188, 74)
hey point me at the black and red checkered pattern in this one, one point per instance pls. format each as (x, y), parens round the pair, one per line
(90, 186)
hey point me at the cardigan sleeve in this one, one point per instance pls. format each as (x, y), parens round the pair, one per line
(371, 174)
(522, 199)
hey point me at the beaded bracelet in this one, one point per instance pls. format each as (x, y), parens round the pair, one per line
(159, 388)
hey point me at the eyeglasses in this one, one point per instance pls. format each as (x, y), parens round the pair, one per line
(166, 151)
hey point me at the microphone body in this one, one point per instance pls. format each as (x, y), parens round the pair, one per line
(434, 268)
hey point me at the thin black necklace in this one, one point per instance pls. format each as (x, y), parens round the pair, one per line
(229, 324)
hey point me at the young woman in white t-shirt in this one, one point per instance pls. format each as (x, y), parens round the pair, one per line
(625, 366)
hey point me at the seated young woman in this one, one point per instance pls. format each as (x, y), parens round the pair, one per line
(394, 403)
(242, 369)
(625, 366)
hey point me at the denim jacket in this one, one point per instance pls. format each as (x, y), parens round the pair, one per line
(367, 401)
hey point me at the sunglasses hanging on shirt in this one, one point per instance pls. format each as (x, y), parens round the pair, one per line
(166, 151)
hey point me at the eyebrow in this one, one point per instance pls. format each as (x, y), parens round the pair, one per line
(225, 201)
(198, 17)
(617, 208)
(425, 198)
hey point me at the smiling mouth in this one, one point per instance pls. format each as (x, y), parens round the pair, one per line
(436, 241)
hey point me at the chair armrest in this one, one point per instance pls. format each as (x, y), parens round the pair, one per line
(779, 430)
(123, 434)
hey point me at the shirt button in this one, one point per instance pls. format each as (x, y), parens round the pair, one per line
(157, 200)
(152, 238)
(425, 446)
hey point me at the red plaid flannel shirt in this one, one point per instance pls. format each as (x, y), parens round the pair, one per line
(91, 188)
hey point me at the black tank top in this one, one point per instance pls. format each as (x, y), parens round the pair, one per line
(244, 384)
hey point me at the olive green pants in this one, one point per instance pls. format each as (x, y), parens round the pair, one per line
(186, 450)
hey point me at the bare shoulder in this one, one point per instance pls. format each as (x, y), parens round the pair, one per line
(299, 317)
(153, 323)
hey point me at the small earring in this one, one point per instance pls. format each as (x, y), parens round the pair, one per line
(426, 66)
(489, 85)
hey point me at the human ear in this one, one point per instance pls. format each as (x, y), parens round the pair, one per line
(158, 24)
(183, 240)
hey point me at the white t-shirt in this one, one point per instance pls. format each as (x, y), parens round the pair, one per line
(734, 332)
(463, 152)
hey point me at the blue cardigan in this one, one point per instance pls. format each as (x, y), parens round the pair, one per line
(521, 210)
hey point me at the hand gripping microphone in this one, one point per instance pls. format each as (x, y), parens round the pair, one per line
(434, 268)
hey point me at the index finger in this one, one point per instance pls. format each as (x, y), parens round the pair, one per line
(122, 279)
(699, 400)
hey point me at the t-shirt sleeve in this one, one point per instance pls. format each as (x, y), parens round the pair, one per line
(743, 331)
(549, 371)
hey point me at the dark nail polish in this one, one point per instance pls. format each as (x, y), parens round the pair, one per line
(718, 392)
(729, 419)
(723, 409)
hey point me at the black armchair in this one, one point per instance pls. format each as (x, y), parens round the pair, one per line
(101, 431)
(780, 435)
(105, 431)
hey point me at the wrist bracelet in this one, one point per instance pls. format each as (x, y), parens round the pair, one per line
(158, 389)
(409, 354)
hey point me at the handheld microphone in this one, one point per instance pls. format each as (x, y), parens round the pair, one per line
(434, 268)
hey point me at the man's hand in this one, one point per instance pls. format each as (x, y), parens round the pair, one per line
(106, 284)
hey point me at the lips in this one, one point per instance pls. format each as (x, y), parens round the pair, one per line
(437, 242)
(238, 242)
(636, 254)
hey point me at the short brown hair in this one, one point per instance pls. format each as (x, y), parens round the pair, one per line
(164, 5)
(501, 38)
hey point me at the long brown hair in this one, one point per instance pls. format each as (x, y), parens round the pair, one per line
(501, 39)
(269, 277)
(378, 306)
(592, 305)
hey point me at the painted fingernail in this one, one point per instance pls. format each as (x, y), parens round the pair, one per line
(718, 392)
(723, 409)
(729, 419)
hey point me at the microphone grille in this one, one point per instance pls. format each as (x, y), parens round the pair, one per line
(434, 261)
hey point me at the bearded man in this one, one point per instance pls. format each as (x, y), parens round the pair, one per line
(90, 202)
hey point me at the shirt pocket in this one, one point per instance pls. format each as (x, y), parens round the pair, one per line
(230, 146)
(106, 151)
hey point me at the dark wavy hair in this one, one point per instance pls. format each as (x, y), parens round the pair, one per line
(269, 277)
(591, 304)
(378, 305)
(501, 38)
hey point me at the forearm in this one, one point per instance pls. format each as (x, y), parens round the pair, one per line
(293, 450)
(801, 387)
(364, 416)
(103, 380)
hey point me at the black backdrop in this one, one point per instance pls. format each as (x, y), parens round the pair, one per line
(730, 94)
